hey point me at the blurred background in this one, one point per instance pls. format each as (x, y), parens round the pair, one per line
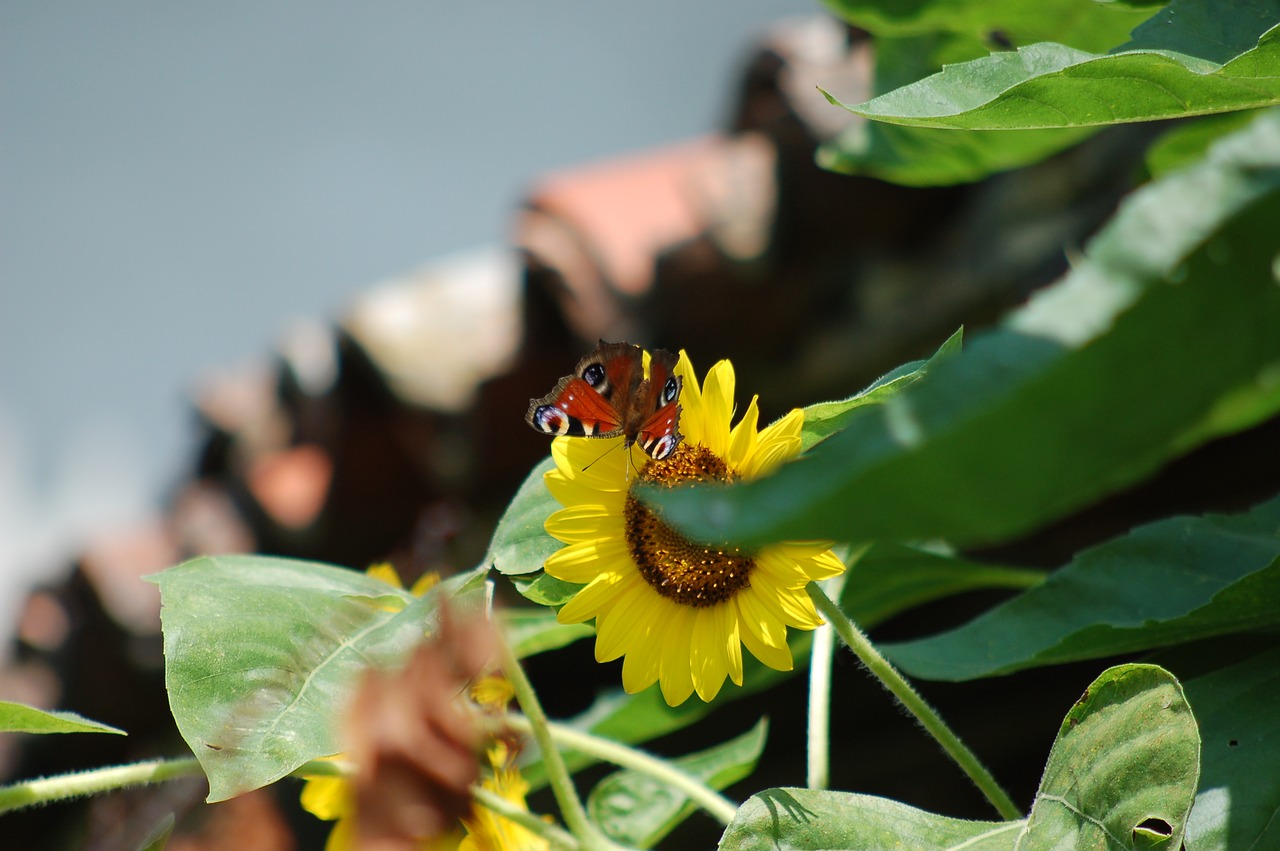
(181, 184)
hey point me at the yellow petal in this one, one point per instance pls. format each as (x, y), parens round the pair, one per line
(584, 523)
(758, 620)
(691, 416)
(584, 561)
(622, 626)
(822, 566)
(742, 439)
(709, 662)
(776, 569)
(597, 598)
(640, 667)
(328, 798)
(798, 609)
(599, 464)
(776, 654)
(673, 666)
(384, 572)
(717, 397)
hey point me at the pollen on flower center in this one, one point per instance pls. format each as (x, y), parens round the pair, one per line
(679, 569)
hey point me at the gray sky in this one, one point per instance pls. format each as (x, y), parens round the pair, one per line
(179, 181)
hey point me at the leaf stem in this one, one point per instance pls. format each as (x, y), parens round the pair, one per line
(818, 752)
(718, 806)
(914, 703)
(575, 816)
(45, 790)
(558, 838)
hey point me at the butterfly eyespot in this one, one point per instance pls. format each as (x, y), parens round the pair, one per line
(594, 375)
(662, 447)
(670, 390)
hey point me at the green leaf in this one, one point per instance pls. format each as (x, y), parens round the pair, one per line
(520, 543)
(921, 156)
(637, 810)
(262, 653)
(1123, 770)
(546, 590)
(810, 820)
(1081, 23)
(1097, 382)
(635, 718)
(1047, 85)
(533, 631)
(1239, 785)
(1186, 144)
(890, 578)
(1171, 581)
(826, 418)
(21, 718)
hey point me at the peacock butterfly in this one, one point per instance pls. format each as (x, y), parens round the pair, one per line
(609, 396)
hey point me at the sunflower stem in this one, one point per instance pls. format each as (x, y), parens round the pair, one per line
(818, 767)
(559, 839)
(718, 806)
(898, 686)
(45, 790)
(575, 816)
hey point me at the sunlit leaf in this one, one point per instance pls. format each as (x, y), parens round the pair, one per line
(1161, 73)
(890, 578)
(824, 419)
(520, 543)
(1098, 381)
(262, 653)
(1167, 582)
(20, 718)
(810, 820)
(533, 631)
(1240, 728)
(638, 810)
(1124, 768)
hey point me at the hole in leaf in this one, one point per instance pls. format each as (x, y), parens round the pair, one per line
(1233, 743)
(1155, 827)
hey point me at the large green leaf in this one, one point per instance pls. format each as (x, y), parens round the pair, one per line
(1162, 337)
(638, 810)
(21, 718)
(923, 156)
(1239, 784)
(520, 543)
(1167, 582)
(1085, 24)
(1123, 770)
(262, 653)
(1166, 71)
(533, 631)
(889, 578)
(810, 820)
(824, 419)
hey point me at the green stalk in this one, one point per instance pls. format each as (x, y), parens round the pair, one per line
(718, 806)
(914, 703)
(558, 838)
(575, 816)
(45, 790)
(818, 761)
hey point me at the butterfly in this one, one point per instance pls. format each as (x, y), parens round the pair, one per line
(609, 396)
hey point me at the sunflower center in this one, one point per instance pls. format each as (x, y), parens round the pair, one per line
(679, 569)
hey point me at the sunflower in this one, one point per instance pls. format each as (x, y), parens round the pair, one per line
(680, 611)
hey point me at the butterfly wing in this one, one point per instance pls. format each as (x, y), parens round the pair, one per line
(658, 433)
(596, 399)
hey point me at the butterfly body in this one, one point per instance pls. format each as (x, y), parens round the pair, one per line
(608, 395)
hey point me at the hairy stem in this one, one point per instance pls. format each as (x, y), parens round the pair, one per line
(914, 703)
(44, 790)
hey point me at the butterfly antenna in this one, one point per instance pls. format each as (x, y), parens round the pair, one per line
(602, 454)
